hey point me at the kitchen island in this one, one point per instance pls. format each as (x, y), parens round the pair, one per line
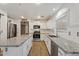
(17, 46)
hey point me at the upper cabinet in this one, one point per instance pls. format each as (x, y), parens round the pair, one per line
(3, 25)
(62, 20)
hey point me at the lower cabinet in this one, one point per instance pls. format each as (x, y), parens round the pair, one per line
(54, 49)
(47, 42)
(13, 51)
(22, 50)
(42, 36)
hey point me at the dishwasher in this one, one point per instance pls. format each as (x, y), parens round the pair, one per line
(54, 49)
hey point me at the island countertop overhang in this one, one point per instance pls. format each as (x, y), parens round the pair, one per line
(14, 42)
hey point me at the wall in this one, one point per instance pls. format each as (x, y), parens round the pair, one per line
(51, 24)
(73, 21)
(3, 26)
(74, 18)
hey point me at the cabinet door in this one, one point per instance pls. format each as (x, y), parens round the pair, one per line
(49, 46)
(42, 36)
(48, 43)
(29, 44)
(54, 49)
(13, 51)
(25, 48)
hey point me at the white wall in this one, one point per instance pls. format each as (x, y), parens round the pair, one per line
(51, 24)
(73, 21)
(3, 26)
(74, 18)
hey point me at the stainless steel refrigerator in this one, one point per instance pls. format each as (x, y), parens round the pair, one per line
(12, 30)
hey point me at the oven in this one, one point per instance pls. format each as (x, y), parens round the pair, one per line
(36, 33)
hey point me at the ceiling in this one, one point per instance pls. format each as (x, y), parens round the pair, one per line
(29, 10)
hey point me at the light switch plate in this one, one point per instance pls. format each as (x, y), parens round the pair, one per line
(6, 49)
(1, 31)
(69, 33)
(77, 34)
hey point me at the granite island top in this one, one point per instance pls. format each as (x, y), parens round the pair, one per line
(68, 46)
(14, 42)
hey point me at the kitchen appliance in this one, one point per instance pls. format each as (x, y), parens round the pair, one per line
(36, 33)
(12, 30)
(36, 27)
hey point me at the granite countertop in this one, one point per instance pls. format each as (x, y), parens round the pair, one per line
(68, 46)
(69, 37)
(14, 42)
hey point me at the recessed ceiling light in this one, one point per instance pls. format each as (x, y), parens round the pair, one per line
(22, 16)
(38, 17)
(4, 3)
(54, 9)
(37, 3)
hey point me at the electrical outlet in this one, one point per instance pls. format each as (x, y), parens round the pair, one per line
(77, 34)
(69, 33)
(6, 49)
(1, 31)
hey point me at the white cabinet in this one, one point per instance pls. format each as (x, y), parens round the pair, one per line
(47, 42)
(29, 45)
(22, 50)
(42, 36)
(25, 48)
